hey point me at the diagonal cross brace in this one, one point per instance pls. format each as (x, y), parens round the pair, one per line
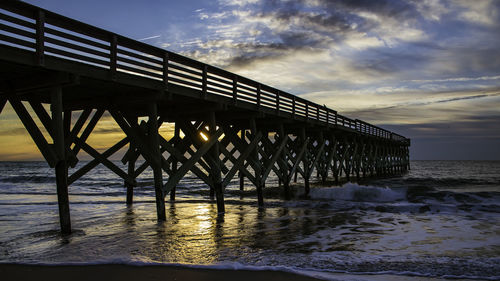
(243, 169)
(92, 164)
(3, 101)
(316, 158)
(186, 166)
(298, 159)
(166, 146)
(104, 160)
(37, 136)
(273, 159)
(239, 163)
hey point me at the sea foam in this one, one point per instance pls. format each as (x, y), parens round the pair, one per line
(360, 193)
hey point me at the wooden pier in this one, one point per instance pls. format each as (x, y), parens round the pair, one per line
(226, 125)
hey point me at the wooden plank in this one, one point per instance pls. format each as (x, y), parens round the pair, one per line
(17, 21)
(92, 164)
(33, 130)
(238, 165)
(186, 166)
(76, 38)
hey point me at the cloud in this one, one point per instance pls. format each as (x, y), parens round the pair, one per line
(150, 37)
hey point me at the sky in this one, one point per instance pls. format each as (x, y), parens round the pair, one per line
(428, 70)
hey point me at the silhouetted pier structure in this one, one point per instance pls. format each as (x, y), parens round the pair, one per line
(226, 125)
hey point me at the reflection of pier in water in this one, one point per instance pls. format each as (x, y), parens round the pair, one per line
(225, 125)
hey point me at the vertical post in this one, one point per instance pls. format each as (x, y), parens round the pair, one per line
(258, 170)
(258, 95)
(305, 163)
(235, 89)
(175, 162)
(131, 170)
(204, 81)
(40, 38)
(165, 70)
(293, 107)
(242, 177)
(61, 167)
(216, 170)
(113, 58)
(156, 164)
(286, 179)
(278, 101)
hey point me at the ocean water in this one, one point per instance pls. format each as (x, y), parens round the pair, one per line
(442, 219)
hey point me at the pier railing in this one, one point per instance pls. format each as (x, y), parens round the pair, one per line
(49, 34)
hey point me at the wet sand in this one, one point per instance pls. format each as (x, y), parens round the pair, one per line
(113, 272)
(117, 272)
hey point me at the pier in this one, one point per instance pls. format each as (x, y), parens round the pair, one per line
(65, 76)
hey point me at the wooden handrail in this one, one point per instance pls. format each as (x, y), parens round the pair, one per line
(84, 43)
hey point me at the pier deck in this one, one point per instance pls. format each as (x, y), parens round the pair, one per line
(225, 125)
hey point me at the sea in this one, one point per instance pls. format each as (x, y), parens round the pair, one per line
(439, 220)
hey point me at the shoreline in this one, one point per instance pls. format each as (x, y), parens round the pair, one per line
(123, 272)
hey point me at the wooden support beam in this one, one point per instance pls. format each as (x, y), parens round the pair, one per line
(77, 127)
(103, 160)
(156, 163)
(130, 187)
(33, 130)
(298, 159)
(179, 156)
(3, 101)
(44, 117)
(305, 162)
(258, 167)
(241, 175)
(175, 162)
(273, 159)
(234, 160)
(92, 164)
(61, 167)
(239, 164)
(215, 172)
(88, 130)
(186, 166)
(135, 136)
(131, 157)
(192, 133)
